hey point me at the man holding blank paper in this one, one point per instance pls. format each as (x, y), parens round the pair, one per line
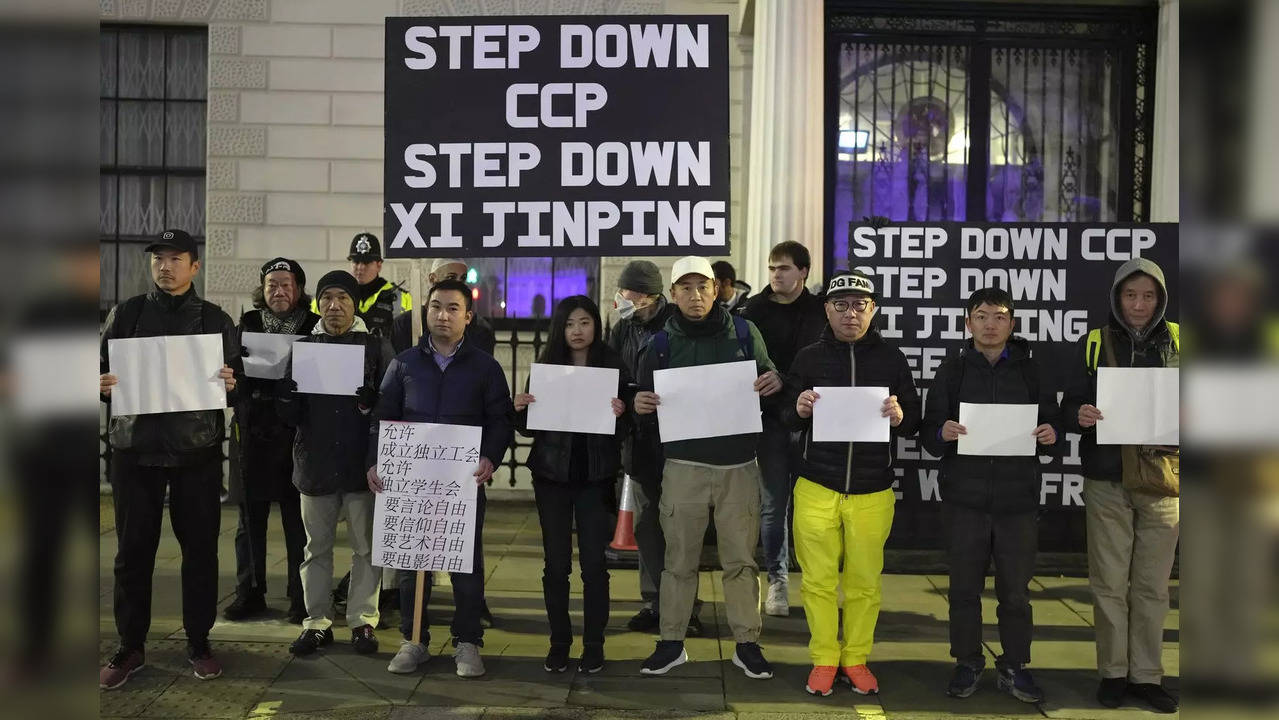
(177, 452)
(331, 411)
(991, 499)
(262, 444)
(712, 464)
(1133, 516)
(844, 497)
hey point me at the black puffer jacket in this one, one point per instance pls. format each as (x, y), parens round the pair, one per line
(181, 438)
(551, 457)
(333, 430)
(261, 442)
(998, 485)
(642, 450)
(850, 468)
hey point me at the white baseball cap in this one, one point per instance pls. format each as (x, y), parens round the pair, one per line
(690, 265)
(441, 262)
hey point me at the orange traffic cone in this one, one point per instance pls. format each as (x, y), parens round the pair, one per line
(624, 535)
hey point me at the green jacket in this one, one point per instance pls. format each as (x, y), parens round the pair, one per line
(706, 343)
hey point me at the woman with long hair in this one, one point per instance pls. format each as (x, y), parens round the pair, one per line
(573, 479)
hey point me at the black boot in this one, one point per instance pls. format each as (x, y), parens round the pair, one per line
(244, 607)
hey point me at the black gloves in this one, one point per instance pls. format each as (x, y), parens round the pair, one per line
(285, 389)
(366, 397)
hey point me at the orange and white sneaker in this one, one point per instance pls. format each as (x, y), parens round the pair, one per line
(862, 679)
(821, 680)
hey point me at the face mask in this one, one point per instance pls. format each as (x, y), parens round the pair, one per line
(625, 308)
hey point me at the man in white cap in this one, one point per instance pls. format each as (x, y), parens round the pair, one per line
(706, 473)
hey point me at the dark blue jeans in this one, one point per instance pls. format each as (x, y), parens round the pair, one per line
(558, 506)
(468, 592)
(774, 501)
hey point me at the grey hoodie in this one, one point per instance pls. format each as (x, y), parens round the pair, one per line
(1126, 271)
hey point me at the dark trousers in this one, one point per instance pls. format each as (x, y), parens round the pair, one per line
(195, 512)
(58, 494)
(558, 506)
(975, 538)
(468, 592)
(250, 546)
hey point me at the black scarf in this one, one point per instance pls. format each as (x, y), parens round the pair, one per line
(287, 324)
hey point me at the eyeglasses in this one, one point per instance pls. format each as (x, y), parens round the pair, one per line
(842, 306)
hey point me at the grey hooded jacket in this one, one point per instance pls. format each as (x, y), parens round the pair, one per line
(1155, 345)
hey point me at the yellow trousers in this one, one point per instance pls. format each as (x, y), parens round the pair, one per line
(827, 525)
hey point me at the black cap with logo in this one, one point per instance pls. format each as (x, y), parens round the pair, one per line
(285, 264)
(175, 239)
(365, 248)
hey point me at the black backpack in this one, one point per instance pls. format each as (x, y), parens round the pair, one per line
(1029, 374)
(130, 311)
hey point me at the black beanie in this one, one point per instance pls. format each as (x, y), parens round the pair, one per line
(337, 278)
(641, 276)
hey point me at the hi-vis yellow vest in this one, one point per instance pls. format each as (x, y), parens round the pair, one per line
(1093, 349)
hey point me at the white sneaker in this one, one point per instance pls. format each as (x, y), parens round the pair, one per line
(777, 604)
(410, 655)
(467, 656)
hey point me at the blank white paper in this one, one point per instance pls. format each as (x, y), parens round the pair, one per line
(1232, 405)
(328, 368)
(268, 356)
(170, 373)
(1141, 406)
(53, 375)
(998, 428)
(850, 414)
(707, 401)
(572, 399)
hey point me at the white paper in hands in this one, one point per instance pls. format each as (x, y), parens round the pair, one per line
(328, 368)
(168, 373)
(1250, 420)
(850, 414)
(707, 401)
(268, 356)
(53, 375)
(1140, 406)
(572, 399)
(998, 428)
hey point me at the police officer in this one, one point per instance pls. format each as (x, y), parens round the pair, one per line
(377, 301)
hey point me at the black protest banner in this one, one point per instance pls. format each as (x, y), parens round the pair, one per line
(1060, 276)
(546, 136)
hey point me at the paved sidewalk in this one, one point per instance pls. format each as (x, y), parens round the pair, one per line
(910, 657)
